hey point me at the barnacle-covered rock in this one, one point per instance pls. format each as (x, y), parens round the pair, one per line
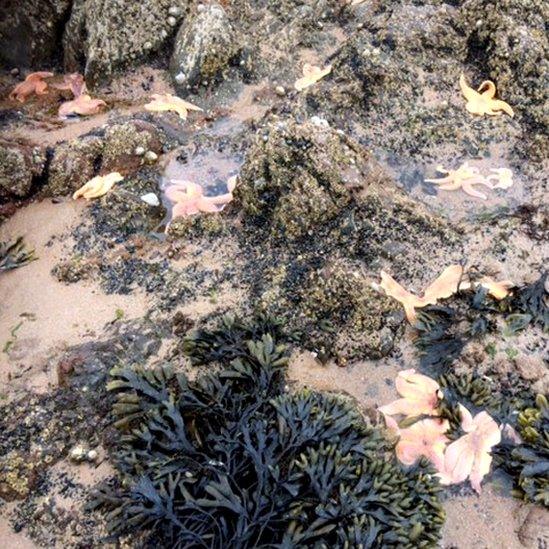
(236, 459)
(335, 306)
(113, 149)
(73, 164)
(203, 48)
(122, 140)
(30, 31)
(298, 176)
(105, 36)
(20, 165)
(511, 41)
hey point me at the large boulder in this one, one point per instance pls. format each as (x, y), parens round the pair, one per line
(31, 30)
(204, 46)
(106, 35)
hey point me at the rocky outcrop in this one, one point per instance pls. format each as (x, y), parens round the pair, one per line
(115, 149)
(20, 164)
(104, 36)
(30, 31)
(204, 46)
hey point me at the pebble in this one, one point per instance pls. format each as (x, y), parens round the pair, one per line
(151, 157)
(279, 90)
(14, 72)
(139, 151)
(180, 77)
(175, 11)
(172, 21)
(78, 454)
(151, 199)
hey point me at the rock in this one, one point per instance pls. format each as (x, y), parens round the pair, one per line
(78, 454)
(20, 165)
(511, 43)
(76, 162)
(151, 199)
(107, 35)
(73, 164)
(32, 29)
(150, 157)
(297, 176)
(204, 46)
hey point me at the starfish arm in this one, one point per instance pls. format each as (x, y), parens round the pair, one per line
(469, 93)
(453, 186)
(500, 105)
(487, 89)
(470, 190)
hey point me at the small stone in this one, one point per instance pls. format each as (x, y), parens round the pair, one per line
(14, 72)
(151, 157)
(172, 21)
(147, 45)
(151, 199)
(139, 151)
(92, 455)
(280, 91)
(78, 454)
(180, 78)
(175, 11)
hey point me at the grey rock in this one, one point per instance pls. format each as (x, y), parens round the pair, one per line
(104, 36)
(30, 31)
(204, 46)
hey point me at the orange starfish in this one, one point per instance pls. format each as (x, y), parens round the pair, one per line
(424, 438)
(465, 177)
(469, 456)
(34, 83)
(420, 394)
(73, 82)
(83, 105)
(188, 198)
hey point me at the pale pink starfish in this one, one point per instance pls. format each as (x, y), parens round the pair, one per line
(465, 177)
(188, 198)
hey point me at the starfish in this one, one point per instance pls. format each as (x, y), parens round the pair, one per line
(34, 83)
(444, 286)
(482, 101)
(83, 105)
(188, 198)
(465, 177)
(503, 176)
(168, 102)
(311, 74)
(98, 186)
(73, 82)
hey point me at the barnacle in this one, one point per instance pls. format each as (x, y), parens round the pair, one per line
(235, 460)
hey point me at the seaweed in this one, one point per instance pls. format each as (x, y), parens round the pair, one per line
(528, 463)
(531, 300)
(233, 459)
(443, 332)
(14, 255)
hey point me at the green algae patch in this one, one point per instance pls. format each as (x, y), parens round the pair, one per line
(236, 459)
